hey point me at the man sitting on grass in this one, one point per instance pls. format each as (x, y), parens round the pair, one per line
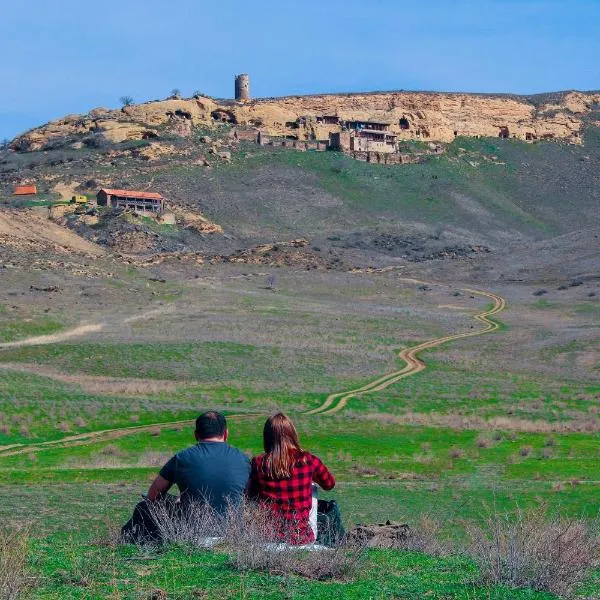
(212, 473)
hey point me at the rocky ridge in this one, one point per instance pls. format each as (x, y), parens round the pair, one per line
(437, 117)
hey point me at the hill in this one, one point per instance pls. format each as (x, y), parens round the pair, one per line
(472, 196)
(431, 327)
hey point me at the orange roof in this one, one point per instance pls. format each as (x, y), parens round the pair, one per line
(25, 190)
(133, 194)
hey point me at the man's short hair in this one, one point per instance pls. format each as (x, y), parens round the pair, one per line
(211, 424)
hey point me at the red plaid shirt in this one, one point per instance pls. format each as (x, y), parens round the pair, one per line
(291, 498)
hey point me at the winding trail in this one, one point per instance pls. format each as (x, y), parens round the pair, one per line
(336, 402)
(333, 403)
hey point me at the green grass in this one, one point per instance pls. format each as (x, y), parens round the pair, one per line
(203, 361)
(239, 348)
(74, 568)
(13, 330)
(419, 192)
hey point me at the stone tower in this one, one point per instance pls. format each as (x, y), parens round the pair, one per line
(242, 87)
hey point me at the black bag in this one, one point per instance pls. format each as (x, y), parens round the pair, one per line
(330, 529)
(142, 527)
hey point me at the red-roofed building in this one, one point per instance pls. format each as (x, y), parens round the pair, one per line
(25, 190)
(133, 199)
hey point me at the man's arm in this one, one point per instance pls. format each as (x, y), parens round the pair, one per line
(159, 487)
(164, 480)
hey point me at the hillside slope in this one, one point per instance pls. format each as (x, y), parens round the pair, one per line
(479, 196)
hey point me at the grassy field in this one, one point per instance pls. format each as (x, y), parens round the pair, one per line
(494, 422)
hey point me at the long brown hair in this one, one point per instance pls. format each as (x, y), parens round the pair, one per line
(282, 447)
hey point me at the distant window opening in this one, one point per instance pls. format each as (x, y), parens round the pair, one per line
(404, 124)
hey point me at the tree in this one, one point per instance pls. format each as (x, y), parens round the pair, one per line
(175, 92)
(126, 101)
(197, 94)
(4, 144)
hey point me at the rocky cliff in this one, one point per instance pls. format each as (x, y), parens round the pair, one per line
(437, 117)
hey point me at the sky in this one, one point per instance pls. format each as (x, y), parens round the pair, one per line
(60, 57)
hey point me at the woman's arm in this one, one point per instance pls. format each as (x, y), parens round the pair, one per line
(322, 475)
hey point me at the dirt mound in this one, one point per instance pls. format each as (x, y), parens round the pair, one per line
(127, 233)
(382, 535)
(295, 253)
(32, 231)
(414, 248)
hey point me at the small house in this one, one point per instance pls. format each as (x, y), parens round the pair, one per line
(131, 199)
(25, 190)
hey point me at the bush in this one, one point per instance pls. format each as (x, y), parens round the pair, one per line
(247, 535)
(95, 142)
(530, 550)
(126, 101)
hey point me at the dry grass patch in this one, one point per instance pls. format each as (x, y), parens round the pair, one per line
(247, 534)
(14, 580)
(531, 550)
(581, 423)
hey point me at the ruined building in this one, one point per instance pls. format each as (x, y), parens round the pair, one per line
(242, 87)
(364, 136)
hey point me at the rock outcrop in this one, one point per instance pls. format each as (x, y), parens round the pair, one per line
(438, 117)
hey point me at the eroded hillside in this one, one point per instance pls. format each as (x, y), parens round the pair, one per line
(437, 117)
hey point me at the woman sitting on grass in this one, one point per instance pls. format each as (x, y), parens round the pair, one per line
(282, 478)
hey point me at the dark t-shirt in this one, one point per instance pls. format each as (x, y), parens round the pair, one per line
(209, 471)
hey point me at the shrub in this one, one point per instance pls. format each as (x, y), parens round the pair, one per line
(425, 536)
(95, 141)
(126, 101)
(247, 535)
(525, 450)
(530, 550)
(456, 453)
(483, 441)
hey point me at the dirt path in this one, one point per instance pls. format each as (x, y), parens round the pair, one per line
(333, 404)
(336, 402)
(82, 439)
(55, 338)
(101, 384)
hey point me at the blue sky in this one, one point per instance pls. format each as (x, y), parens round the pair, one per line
(61, 57)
